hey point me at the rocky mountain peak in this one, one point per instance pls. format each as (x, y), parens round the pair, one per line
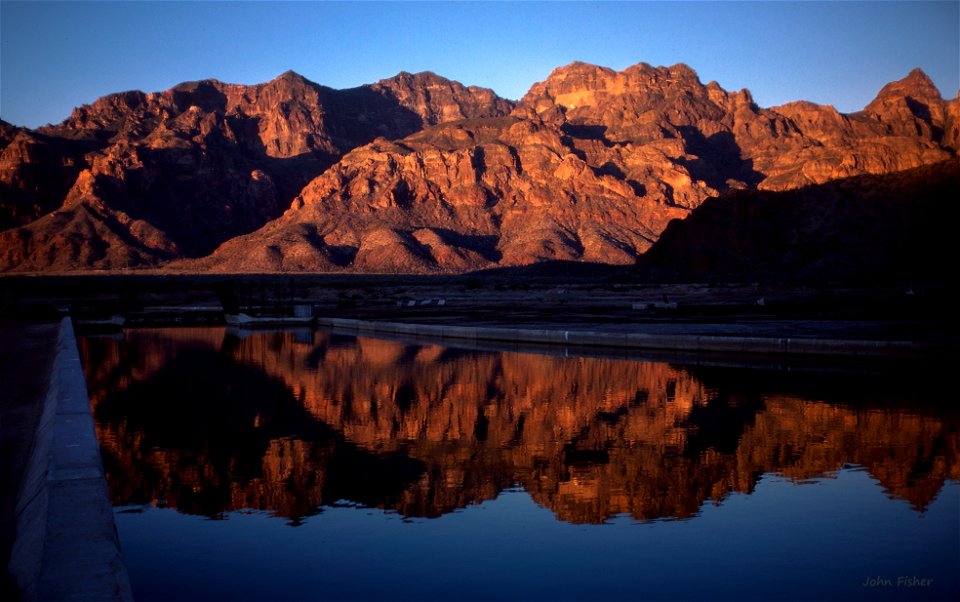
(916, 86)
(107, 114)
(7, 130)
(586, 87)
(288, 86)
(405, 78)
(682, 68)
(919, 85)
(579, 68)
(291, 76)
(577, 78)
(914, 104)
(435, 99)
(200, 84)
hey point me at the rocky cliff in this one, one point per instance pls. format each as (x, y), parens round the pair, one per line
(138, 179)
(421, 174)
(591, 165)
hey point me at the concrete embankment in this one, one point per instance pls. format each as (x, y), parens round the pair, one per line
(66, 545)
(679, 340)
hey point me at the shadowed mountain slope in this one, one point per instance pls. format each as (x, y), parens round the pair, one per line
(894, 228)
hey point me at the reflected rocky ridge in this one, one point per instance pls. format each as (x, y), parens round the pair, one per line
(208, 422)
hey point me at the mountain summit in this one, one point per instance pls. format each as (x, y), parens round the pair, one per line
(916, 85)
(418, 173)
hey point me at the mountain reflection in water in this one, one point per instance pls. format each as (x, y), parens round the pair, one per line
(207, 422)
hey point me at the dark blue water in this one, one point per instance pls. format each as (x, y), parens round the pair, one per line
(306, 466)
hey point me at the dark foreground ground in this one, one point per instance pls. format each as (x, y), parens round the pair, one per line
(579, 296)
(26, 355)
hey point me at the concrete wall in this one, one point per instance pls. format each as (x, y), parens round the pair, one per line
(67, 546)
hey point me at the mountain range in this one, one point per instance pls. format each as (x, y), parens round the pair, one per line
(421, 174)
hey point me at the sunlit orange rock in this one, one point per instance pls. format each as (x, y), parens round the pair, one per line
(197, 164)
(417, 173)
(591, 165)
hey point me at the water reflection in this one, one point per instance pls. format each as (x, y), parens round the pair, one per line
(206, 421)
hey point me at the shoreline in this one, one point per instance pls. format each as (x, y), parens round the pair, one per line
(630, 340)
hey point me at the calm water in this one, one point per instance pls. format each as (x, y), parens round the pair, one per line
(309, 466)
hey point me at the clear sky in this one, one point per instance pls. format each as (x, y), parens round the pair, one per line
(57, 55)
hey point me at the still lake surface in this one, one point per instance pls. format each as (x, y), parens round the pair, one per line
(301, 465)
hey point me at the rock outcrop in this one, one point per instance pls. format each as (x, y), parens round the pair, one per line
(421, 174)
(459, 196)
(36, 172)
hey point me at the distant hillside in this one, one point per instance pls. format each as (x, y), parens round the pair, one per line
(895, 228)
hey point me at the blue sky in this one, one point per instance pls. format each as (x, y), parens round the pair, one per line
(57, 55)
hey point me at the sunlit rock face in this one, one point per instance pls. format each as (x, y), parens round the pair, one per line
(207, 422)
(454, 197)
(724, 140)
(417, 173)
(137, 179)
(591, 165)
